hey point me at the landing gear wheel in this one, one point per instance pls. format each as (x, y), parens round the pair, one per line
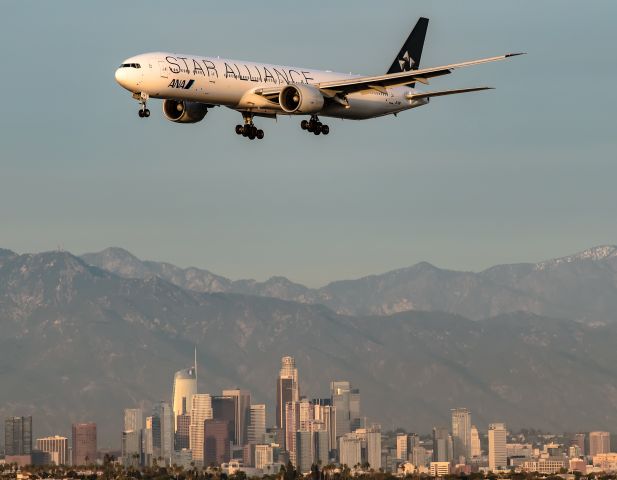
(325, 129)
(140, 113)
(239, 129)
(260, 134)
(146, 113)
(304, 124)
(317, 131)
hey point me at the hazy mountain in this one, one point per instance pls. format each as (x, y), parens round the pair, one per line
(581, 287)
(81, 343)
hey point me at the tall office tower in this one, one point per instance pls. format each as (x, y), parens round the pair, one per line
(371, 443)
(148, 442)
(287, 390)
(599, 442)
(131, 448)
(476, 448)
(419, 456)
(84, 443)
(306, 411)
(163, 432)
(292, 425)
(185, 386)
(216, 442)
(461, 434)
(242, 402)
(321, 449)
(264, 455)
(325, 412)
(440, 445)
(350, 450)
(354, 409)
(579, 439)
(133, 419)
(497, 455)
(257, 424)
(18, 436)
(304, 451)
(201, 410)
(341, 393)
(57, 447)
(224, 408)
(401, 446)
(183, 426)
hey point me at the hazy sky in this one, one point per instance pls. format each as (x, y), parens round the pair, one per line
(521, 173)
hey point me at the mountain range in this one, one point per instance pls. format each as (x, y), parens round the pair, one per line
(81, 342)
(581, 287)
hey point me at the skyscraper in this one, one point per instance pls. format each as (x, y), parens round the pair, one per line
(57, 447)
(325, 412)
(287, 390)
(185, 386)
(242, 402)
(340, 392)
(579, 440)
(133, 419)
(257, 424)
(131, 448)
(371, 445)
(201, 410)
(216, 442)
(183, 431)
(401, 446)
(224, 408)
(163, 432)
(84, 443)
(497, 455)
(441, 448)
(18, 436)
(350, 450)
(148, 442)
(461, 434)
(476, 448)
(599, 442)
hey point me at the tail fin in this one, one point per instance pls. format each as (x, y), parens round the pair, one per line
(409, 56)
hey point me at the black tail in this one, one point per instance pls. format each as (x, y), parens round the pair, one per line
(409, 56)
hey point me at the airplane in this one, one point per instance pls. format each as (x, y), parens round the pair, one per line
(190, 85)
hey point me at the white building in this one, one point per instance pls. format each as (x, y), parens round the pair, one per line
(497, 453)
(350, 450)
(461, 434)
(476, 447)
(57, 447)
(185, 386)
(264, 455)
(546, 467)
(401, 446)
(201, 410)
(257, 424)
(439, 469)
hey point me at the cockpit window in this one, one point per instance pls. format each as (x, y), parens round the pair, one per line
(130, 65)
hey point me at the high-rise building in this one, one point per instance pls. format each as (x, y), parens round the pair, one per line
(201, 410)
(216, 442)
(419, 456)
(257, 424)
(476, 446)
(84, 443)
(163, 433)
(579, 440)
(441, 447)
(18, 436)
(371, 445)
(350, 450)
(461, 434)
(131, 447)
(185, 386)
(354, 409)
(183, 429)
(401, 446)
(304, 451)
(224, 408)
(340, 392)
(242, 402)
(287, 390)
(264, 455)
(148, 442)
(599, 442)
(497, 439)
(292, 425)
(57, 447)
(133, 419)
(326, 413)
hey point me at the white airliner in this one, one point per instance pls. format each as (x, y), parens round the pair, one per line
(189, 85)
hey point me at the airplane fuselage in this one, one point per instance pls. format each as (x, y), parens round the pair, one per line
(232, 83)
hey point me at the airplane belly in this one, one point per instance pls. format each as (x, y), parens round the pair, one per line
(362, 106)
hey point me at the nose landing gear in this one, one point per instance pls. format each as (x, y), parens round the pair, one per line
(143, 110)
(315, 126)
(249, 130)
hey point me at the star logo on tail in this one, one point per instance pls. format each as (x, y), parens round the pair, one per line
(406, 62)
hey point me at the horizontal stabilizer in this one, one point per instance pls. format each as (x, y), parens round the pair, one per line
(441, 93)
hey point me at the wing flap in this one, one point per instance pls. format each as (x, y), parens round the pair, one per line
(441, 93)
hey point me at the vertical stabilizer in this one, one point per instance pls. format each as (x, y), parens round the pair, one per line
(411, 52)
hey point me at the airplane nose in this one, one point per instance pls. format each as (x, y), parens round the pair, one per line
(122, 77)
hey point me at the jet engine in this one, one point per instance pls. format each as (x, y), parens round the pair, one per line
(301, 98)
(180, 111)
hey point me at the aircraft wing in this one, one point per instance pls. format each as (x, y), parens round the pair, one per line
(380, 82)
(441, 93)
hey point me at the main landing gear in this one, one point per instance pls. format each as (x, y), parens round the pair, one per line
(143, 110)
(315, 126)
(249, 129)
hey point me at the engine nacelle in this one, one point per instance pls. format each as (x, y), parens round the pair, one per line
(180, 111)
(301, 98)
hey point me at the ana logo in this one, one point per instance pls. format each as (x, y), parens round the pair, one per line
(406, 62)
(184, 84)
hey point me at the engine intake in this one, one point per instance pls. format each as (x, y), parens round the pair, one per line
(300, 98)
(180, 111)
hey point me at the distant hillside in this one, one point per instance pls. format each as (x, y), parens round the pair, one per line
(580, 287)
(81, 343)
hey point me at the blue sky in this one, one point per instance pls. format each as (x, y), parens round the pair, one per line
(521, 173)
